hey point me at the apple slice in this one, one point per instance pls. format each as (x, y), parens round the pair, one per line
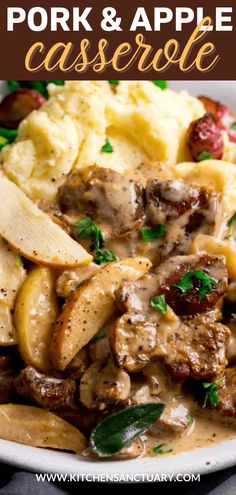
(33, 234)
(36, 311)
(12, 274)
(39, 428)
(91, 307)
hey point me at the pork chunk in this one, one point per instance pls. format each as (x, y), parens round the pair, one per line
(227, 393)
(106, 195)
(188, 336)
(185, 210)
(134, 341)
(103, 384)
(48, 392)
(171, 271)
(198, 349)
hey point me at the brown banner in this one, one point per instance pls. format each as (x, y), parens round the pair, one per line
(160, 50)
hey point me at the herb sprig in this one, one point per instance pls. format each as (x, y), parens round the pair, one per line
(211, 389)
(206, 285)
(89, 230)
(107, 147)
(158, 450)
(205, 155)
(159, 303)
(150, 235)
(123, 427)
(229, 224)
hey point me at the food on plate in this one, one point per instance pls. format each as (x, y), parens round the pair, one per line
(90, 307)
(16, 106)
(39, 428)
(33, 234)
(35, 313)
(12, 276)
(117, 268)
(205, 139)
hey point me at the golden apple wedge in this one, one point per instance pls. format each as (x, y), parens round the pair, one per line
(32, 233)
(12, 274)
(39, 428)
(35, 314)
(91, 307)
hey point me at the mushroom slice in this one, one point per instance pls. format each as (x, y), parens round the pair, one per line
(91, 307)
(39, 428)
(104, 384)
(32, 233)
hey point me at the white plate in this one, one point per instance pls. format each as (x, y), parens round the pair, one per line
(201, 461)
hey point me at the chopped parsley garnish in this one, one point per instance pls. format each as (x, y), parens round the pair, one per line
(88, 229)
(150, 235)
(211, 389)
(230, 237)
(204, 155)
(190, 419)
(160, 84)
(231, 220)
(107, 147)
(104, 257)
(114, 83)
(233, 126)
(207, 283)
(159, 303)
(7, 136)
(98, 337)
(159, 450)
(18, 261)
(229, 224)
(186, 283)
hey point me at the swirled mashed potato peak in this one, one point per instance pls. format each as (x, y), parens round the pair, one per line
(141, 121)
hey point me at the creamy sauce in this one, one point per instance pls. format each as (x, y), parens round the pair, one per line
(206, 430)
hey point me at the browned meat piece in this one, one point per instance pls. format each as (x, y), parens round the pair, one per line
(185, 211)
(135, 297)
(193, 345)
(222, 114)
(103, 384)
(106, 195)
(167, 200)
(198, 349)
(227, 393)
(204, 136)
(134, 341)
(171, 271)
(48, 392)
(18, 105)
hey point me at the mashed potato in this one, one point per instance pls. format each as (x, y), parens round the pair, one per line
(141, 121)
